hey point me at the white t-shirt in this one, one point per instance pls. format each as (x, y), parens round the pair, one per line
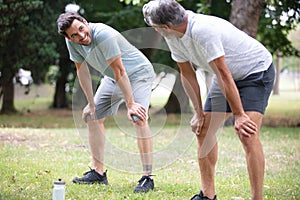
(106, 44)
(208, 37)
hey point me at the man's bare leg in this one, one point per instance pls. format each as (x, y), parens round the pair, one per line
(208, 151)
(255, 157)
(96, 141)
(145, 145)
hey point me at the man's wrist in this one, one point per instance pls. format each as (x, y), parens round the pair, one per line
(129, 103)
(90, 100)
(238, 113)
(199, 112)
(91, 104)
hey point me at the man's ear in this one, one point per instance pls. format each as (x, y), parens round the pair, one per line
(164, 26)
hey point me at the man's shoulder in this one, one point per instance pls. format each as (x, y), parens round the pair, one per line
(204, 26)
(102, 31)
(192, 16)
(101, 28)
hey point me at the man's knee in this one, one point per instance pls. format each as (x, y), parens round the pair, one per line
(250, 143)
(212, 123)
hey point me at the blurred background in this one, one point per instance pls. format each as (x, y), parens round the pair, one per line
(36, 73)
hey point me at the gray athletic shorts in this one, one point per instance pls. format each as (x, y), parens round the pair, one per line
(109, 96)
(254, 91)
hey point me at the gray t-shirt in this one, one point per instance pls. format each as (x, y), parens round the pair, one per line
(106, 44)
(208, 37)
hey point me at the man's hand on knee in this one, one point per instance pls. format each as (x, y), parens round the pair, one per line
(197, 123)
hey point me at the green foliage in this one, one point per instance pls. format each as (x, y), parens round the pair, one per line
(134, 2)
(27, 40)
(14, 13)
(30, 38)
(116, 14)
(221, 9)
(120, 19)
(52, 74)
(278, 18)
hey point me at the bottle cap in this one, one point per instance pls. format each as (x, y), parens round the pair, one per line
(59, 182)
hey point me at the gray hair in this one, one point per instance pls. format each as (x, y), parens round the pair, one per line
(164, 12)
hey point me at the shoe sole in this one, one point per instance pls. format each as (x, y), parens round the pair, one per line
(83, 182)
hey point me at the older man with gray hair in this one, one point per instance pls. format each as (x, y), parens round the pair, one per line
(242, 83)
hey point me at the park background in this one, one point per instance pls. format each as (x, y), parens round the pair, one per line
(40, 141)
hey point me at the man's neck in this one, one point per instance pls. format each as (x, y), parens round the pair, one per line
(181, 29)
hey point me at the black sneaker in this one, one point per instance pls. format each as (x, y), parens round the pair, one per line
(91, 177)
(145, 184)
(201, 197)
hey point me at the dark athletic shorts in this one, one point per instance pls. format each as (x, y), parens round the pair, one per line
(254, 91)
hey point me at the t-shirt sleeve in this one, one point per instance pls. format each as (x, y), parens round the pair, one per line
(73, 53)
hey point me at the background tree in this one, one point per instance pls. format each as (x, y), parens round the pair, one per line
(36, 46)
(65, 67)
(279, 17)
(245, 15)
(25, 43)
(32, 43)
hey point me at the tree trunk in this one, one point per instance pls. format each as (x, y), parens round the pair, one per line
(8, 91)
(278, 69)
(178, 101)
(65, 67)
(60, 100)
(245, 15)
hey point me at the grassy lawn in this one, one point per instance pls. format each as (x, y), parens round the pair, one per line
(40, 145)
(31, 159)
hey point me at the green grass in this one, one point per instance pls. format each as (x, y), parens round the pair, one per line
(29, 105)
(31, 159)
(38, 146)
(285, 104)
(35, 121)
